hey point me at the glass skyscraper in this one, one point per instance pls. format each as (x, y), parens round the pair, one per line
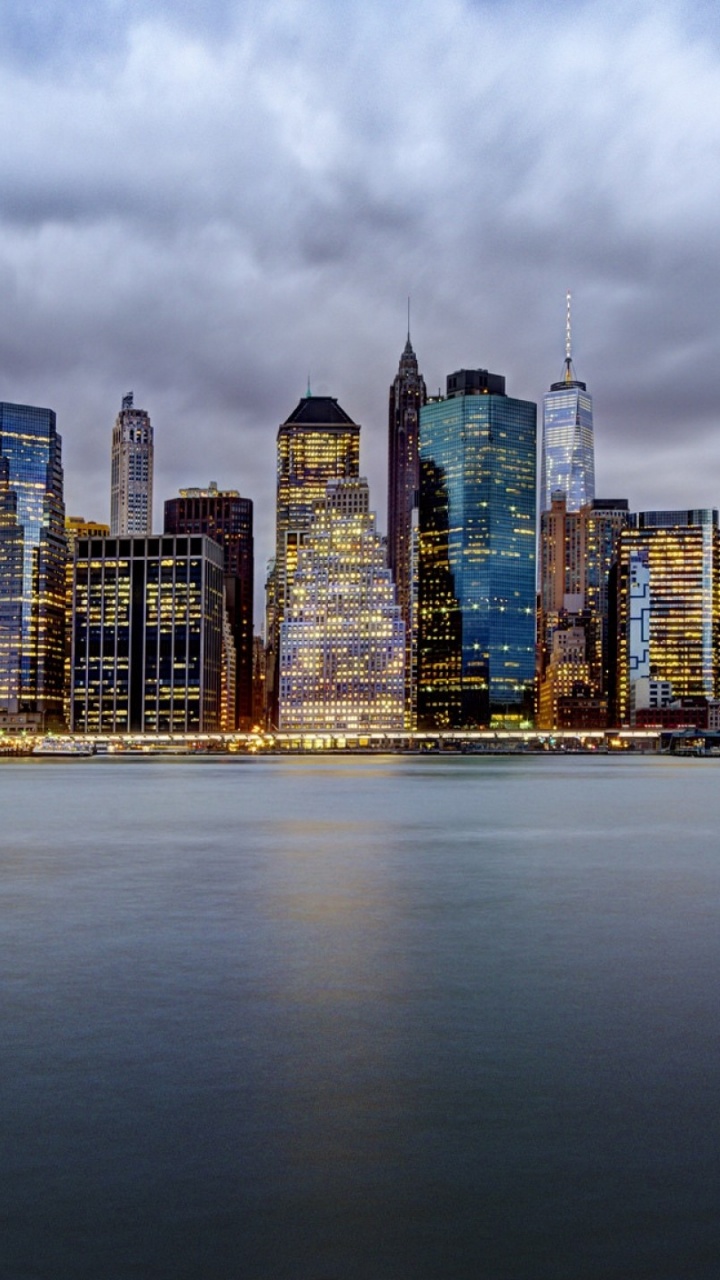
(568, 446)
(476, 644)
(32, 562)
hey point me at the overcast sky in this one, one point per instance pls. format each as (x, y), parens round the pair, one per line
(206, 202)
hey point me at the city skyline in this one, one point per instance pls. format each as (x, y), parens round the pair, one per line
(213, 276)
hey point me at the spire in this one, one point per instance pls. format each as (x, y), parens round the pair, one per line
(408, 345)
(569, 371)
(308, 393)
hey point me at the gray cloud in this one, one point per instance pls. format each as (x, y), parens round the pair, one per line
(205, 203)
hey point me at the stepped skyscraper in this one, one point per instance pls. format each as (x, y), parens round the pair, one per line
(568, 446)
(407, 396)
(131, 486)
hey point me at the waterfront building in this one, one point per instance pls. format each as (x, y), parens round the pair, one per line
(407, 396)
(668, 605)
(227, 518)
(342, 638)
(32, 564)
(476, 634)
(568, 447)
(147, 629)
(577, 550)
(131, 483)
(317, 442)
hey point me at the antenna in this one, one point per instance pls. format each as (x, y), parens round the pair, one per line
(408, 319)
(568, 338)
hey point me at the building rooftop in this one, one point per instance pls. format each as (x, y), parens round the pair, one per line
(319, 411)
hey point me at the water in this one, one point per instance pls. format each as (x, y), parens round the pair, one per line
(364, 1019)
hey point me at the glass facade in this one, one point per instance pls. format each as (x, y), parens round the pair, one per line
(32, 562)
(476, 643)
(342, 647)
(568, 446)
(680, 552)
(146, 635)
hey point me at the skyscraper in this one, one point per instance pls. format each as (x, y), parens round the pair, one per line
(577, 550)
(476, 643)
(317, 443)
(32, 562)
(342, 639)
(131, 484)
(227, 518)
(568, 448)
(146, 635)
(668, 604)
(407, 396)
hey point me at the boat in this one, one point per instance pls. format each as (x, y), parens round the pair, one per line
(68, 747)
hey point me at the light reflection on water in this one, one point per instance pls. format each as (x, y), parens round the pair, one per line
(361, 1018)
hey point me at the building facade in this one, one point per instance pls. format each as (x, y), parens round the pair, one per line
(476, 634)
(568, 444)
(407, 396)
(577, 551)
(131, 482)
(228, 519)
(342, 645)
(32, 564)
(317, 443)
(668, 605)
(147, 632)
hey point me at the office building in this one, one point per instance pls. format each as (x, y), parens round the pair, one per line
(317, 443)
(342, 639)
(568, 446)
(131, 485)
(147, 631)
(407, 396)
(668, 606)
(577, 550)
(228, 519)
(32, 565)
(476, 640)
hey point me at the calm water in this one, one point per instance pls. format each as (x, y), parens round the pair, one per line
(393, 1019)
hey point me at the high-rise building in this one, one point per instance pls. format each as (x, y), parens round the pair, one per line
(228, 519)
(147, 633)
(668, 605)
(317, 443)
(131, 485)
(568, 447)
(407, 396)
(32, 563)
(476, 642)
(342, 639)
(577, 550)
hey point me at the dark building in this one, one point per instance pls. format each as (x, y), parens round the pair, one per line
(476, 643)
(407, 396)
(32, 564)
(228, 519)
(146, 635)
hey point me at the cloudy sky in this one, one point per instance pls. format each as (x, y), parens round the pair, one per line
(206, 202)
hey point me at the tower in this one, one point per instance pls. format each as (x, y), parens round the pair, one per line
(32, 563)
(568, 449)
(407, 396)
(476, 642)
(228, 519)
(668, 605)
(317, 443)
(131, 485)
(342, 640)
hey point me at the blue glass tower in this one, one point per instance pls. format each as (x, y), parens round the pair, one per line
(476, 646)
(568, 445)
(32, 562)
